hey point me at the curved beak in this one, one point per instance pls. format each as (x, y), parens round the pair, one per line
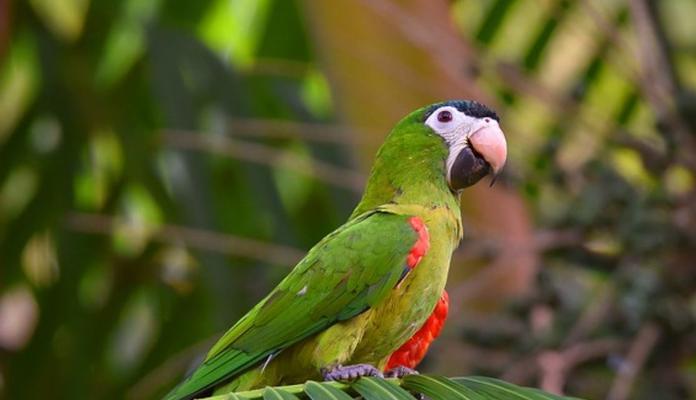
(488, 140)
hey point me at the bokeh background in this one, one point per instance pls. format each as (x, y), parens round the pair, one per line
(163, 164)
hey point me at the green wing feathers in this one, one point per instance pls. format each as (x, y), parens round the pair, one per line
(349, 271)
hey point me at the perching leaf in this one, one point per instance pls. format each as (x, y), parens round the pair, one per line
(433, 386)
(491, 388)
(271, 393)
(235, 396)
(380, 389)
(439, 387)
(321, 391)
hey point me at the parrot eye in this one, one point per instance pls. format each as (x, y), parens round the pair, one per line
(444, 116)
(445, 121)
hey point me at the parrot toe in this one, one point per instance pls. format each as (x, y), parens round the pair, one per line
(400, 372)
(351, 372)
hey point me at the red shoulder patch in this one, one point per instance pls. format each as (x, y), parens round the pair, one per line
(411, 353)
(422, 243)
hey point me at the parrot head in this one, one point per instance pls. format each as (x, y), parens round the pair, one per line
(476, 144)
(434, 152)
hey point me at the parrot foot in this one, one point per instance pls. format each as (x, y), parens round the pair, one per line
(400, 372)
(350, 372)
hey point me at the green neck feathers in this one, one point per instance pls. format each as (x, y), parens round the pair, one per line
(409, 169)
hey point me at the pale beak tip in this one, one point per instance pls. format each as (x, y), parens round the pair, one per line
(490, 143)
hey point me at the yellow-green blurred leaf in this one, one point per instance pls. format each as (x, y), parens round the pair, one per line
(65, 18)
(39, 260)
(233, 28)
(19, 80)
(126, 41)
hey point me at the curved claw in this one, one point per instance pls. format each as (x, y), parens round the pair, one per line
(400, 372)
(350, 372)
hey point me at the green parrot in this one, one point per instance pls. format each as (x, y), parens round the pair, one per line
(367, 287)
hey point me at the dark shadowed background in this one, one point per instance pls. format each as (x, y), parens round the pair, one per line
(163, 164)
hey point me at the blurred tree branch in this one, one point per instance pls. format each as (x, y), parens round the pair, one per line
(266, 155)
(285, 129)
(638, 353)
(660, 83)
(230, 245)
(553, 366)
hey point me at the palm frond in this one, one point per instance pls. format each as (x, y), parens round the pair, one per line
(434, 387)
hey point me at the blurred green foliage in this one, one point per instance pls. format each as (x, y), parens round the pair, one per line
(163, 164)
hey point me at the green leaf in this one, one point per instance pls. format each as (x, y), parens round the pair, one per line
(439, 387)
(234, 396)
(65, 18)
(495, 388)
(433, 386)
(379, 389)
(320, 391)
(270, 393)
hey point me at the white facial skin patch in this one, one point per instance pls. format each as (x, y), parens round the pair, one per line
(456, 127)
